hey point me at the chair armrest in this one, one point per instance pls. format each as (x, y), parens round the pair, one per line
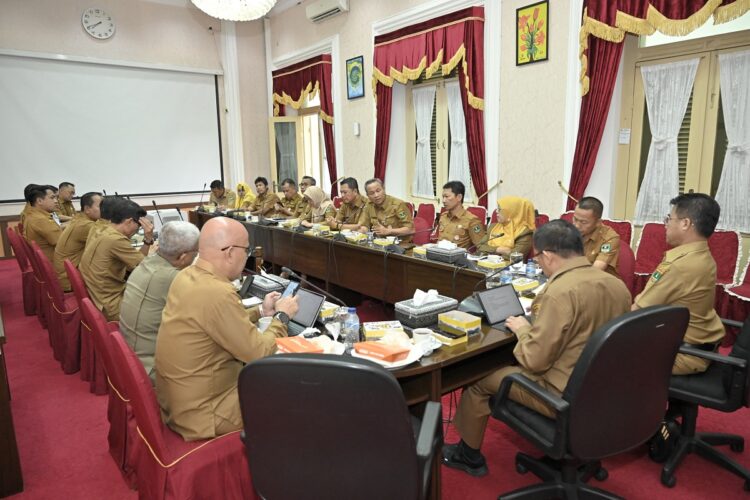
(429, 440)
(714, 356)
(557, 403)
(731, 322)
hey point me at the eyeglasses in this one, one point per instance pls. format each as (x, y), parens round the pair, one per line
(230, 247)
(669, 218)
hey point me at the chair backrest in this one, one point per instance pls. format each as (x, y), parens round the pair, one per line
(480, 212)
(567, 216)
(33, 260)
(50, 278)
(410, 206)
(18, 249)
(97, 323)
(741, 349)
(626, 267)
(427, 212)
(76, 281)
(493, 217)
(339, 423)
(725, 248)
(617, 403)
(651, 247)
(622, 227)
(540, 220)
(421, 231)
(337, 201)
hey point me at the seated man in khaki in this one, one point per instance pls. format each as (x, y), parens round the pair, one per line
(65, 209)
(601, 243)
(385, 215)
(291, 204)
(146, 290)
(109, 256)
(457, 224)
(577, 300)
(73, 239)
(687, 276)
(207, 336)
(222, 197)
(347, 217)
(38, 224)
(265, 202)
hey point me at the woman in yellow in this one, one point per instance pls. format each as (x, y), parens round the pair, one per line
(245, 196)
(514, 228)
(321, 207)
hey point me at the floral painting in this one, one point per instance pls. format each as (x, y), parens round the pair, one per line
(532, 33)
(355, 77)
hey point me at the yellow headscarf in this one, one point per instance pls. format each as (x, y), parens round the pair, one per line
(519, 213)
(247, 196)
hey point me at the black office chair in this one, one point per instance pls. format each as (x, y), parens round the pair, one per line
(322, 426)
(724, 387)
(614, 401)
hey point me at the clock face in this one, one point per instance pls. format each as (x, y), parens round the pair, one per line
(98, 23)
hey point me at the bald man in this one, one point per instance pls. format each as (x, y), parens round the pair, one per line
(206, 336)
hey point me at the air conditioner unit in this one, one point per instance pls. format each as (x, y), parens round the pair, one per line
(323, 9)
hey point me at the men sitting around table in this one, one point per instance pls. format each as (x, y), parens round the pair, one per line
(109, 256)
(290, 204)
(601, 243)
(305, 183)
(687, 276)
(457, 224)
(38, 224)
(320, 207)
(347, 216)
(513, 230)
(577, 300)
(206, 336)
(245, 197)
(65, 209)
(265, 201)
(222, 197)
(73, 238)
(385, 215)
(146, 290)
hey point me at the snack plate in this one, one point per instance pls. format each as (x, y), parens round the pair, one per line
(414, 355)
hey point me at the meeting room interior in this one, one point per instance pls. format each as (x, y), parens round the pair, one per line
(374, 249)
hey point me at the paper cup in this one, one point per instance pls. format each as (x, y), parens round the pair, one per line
(264, 323)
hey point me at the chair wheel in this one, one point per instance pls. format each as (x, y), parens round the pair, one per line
(737, 447)
(601, 474)
(668, 481)
(521, 469)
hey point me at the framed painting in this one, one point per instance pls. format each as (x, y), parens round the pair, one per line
(532, 33)
(355, 77)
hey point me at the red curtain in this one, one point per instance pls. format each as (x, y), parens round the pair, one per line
(293, 84)
(443, 43)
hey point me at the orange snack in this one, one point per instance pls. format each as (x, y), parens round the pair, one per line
(378, 350)
(297, 344)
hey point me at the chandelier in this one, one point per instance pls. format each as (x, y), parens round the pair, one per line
(235, 10)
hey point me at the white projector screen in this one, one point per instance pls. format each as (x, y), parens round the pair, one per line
(124, 129)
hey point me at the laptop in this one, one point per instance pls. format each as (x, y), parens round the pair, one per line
(309, 309)
(499, 304)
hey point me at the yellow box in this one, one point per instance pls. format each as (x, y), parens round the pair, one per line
(523, 284)
(492, 266)
(450, 339)
(374, 330)
(355, 237)
(459, 323)
(420, 252)
(328, 311)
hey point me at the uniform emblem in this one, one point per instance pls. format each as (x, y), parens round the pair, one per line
(477, 229)
(656, 276)
(606, 248)
(535, 308)
(402, 215)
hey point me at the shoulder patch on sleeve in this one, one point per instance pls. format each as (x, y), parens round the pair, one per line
(606, 248)
(402, 215)
(477, 229)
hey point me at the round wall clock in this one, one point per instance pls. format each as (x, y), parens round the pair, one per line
(98, 23)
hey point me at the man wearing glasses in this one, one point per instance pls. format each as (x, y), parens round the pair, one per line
(687, 276)
(601, 243)
(206, 335)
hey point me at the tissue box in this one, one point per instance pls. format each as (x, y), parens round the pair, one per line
(375, 330)
(296, 344)
(354, 237)
(459, 323)
(492, 266)
(328, 312)
(377, 350)
(523, 284)
(383, 242)
(415, 316)
(450, 339)
(262, 285)
(447, 256)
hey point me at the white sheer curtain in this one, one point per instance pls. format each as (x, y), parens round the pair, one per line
(286, 150)
(668, 88)
(734, 186)
(424, 103)
(458, 162)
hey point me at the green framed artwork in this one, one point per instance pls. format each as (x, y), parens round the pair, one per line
(532, 33)
(355, 77)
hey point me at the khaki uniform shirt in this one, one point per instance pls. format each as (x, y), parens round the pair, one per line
(522, 243)
(330, 211)
(25, 211)
(40, 227)
(66, 208)
(228, 200)
(265, 204)
(687, 277)
(142, 304)
(70, 246)
(205, 339)
(304, 209)
(349, 213)
(603, 245)
(295, 205)
(464, 229)
(577, 300)
(107, 258)
(393, 212)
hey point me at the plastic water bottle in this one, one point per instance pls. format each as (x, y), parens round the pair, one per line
(531, 269)
(370, 239)
(350, 329)
(506, 277)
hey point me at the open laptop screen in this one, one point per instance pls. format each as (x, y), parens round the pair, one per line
(500, 303)
(309, 307)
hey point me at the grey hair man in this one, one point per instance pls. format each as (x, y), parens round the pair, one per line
(146, 289)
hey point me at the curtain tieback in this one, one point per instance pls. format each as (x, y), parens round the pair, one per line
(422, 142)
(661, 143)
(459, 142)
(739, 149)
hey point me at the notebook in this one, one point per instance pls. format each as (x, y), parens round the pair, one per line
(309, 309)
(499, 304)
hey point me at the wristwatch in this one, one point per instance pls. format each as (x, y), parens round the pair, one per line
(148, 242)
(282, 316)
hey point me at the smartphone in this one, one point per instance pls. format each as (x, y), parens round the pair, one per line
(291, 289)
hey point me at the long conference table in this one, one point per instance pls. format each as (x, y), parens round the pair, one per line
(391, 277)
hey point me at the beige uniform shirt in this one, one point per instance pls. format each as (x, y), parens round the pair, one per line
(66, 208)
(40, 227)
(349, 213)
(294, 204)
(393, 212)
(265, 204)
(464, 229)
(522, 243)
(106, 260)
(70, 246)
(330, 211)
(228, 200)
(22, 216)
(577, 300)
(205, 339)
(142, 304)
(603, 245)
(304, 209)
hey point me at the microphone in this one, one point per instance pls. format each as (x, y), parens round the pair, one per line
(153, 202)
(567, 193)
(491, 275)
(295, 275)
(179, 212)
(203, 191)
(104, 191)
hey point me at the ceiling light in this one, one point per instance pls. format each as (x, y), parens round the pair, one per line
(235, 10)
